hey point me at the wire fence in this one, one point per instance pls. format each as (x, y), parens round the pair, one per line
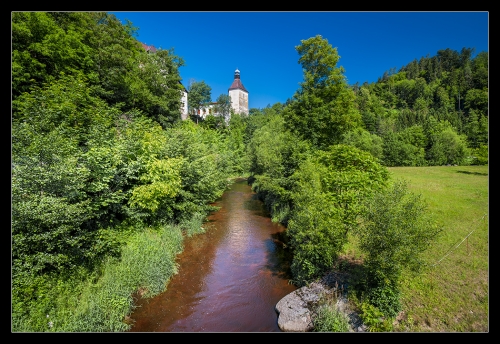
(457, 245)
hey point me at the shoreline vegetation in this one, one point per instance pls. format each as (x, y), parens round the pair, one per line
(108, 176)
(432, 301)
(443, 298)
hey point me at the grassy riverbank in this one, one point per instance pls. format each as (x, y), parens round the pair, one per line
(453, 294)
(100, 300)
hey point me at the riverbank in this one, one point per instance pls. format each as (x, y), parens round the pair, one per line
(227, 275)
(297, 310)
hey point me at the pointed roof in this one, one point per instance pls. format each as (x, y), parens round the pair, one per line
(237, 84)
(149, 48)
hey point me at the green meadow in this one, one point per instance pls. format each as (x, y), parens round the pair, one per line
(451, 295)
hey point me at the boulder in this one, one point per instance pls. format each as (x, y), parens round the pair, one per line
(296, 310)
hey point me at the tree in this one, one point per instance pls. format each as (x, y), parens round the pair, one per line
(223, 106)
(395, 229)
(114, 54)
(154, 86)
(327, 198)
(480, 70)
(64, 176)
(213, 122)
(199, 94)
(274, 154)
(364, 140)
(477, 100)
(448, 148)
(404, 148)
(477, 129)
(323, 108)
(41, 50)
(448, 59)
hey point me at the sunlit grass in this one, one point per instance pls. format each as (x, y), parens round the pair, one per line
(101, 302)
(105, 303)
(452, 293)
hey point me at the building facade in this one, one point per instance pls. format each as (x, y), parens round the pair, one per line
(184, 103)
(239, 95)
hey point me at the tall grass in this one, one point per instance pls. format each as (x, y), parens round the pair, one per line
(101, 302)
(330, 319)
(452, 294)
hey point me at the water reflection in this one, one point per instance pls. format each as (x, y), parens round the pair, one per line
(230, 278)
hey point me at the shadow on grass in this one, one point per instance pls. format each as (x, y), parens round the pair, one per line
(347, 273)
(476, 173)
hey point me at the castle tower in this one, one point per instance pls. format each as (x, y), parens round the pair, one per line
(239, 95)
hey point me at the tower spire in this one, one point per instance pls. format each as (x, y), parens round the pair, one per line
(238, 94)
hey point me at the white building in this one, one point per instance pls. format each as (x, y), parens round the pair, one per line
(184, 103)
(208, 109)
(239, 95)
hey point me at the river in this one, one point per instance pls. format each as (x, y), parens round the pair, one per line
(230, 278)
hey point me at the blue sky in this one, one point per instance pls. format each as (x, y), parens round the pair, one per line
(262, 44)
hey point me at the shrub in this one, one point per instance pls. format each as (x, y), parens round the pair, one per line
(374, 318)
(395, 230)
(330, 319)
(385, 298)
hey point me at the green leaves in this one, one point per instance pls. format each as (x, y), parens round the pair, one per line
(223, 106)
(323, 108)
(162, 182)
(448, 148)
(89, 167)
(42, 49)
(200, 94)
(318, 60)
(396, 229)
(316, 233)
(327, 199)
(154, 85)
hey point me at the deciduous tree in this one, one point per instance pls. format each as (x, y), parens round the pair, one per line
(323, 108)
(199, 94)
(223, 106)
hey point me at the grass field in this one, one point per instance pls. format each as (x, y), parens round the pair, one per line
(452, 295)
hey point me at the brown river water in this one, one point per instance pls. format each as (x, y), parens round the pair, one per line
(230, 278)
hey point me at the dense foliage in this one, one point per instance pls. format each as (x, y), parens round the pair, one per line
(319, 162)
(98, 151)
(200, 95)
(323, 108)
(98, 46)
(395, 230)
(433, 111)
(104, 170)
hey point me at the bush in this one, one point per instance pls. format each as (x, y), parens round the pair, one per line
(387, 299)
(374, 318)
(395, 230)
(330, 319)
(479, 155)
(449, 148)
